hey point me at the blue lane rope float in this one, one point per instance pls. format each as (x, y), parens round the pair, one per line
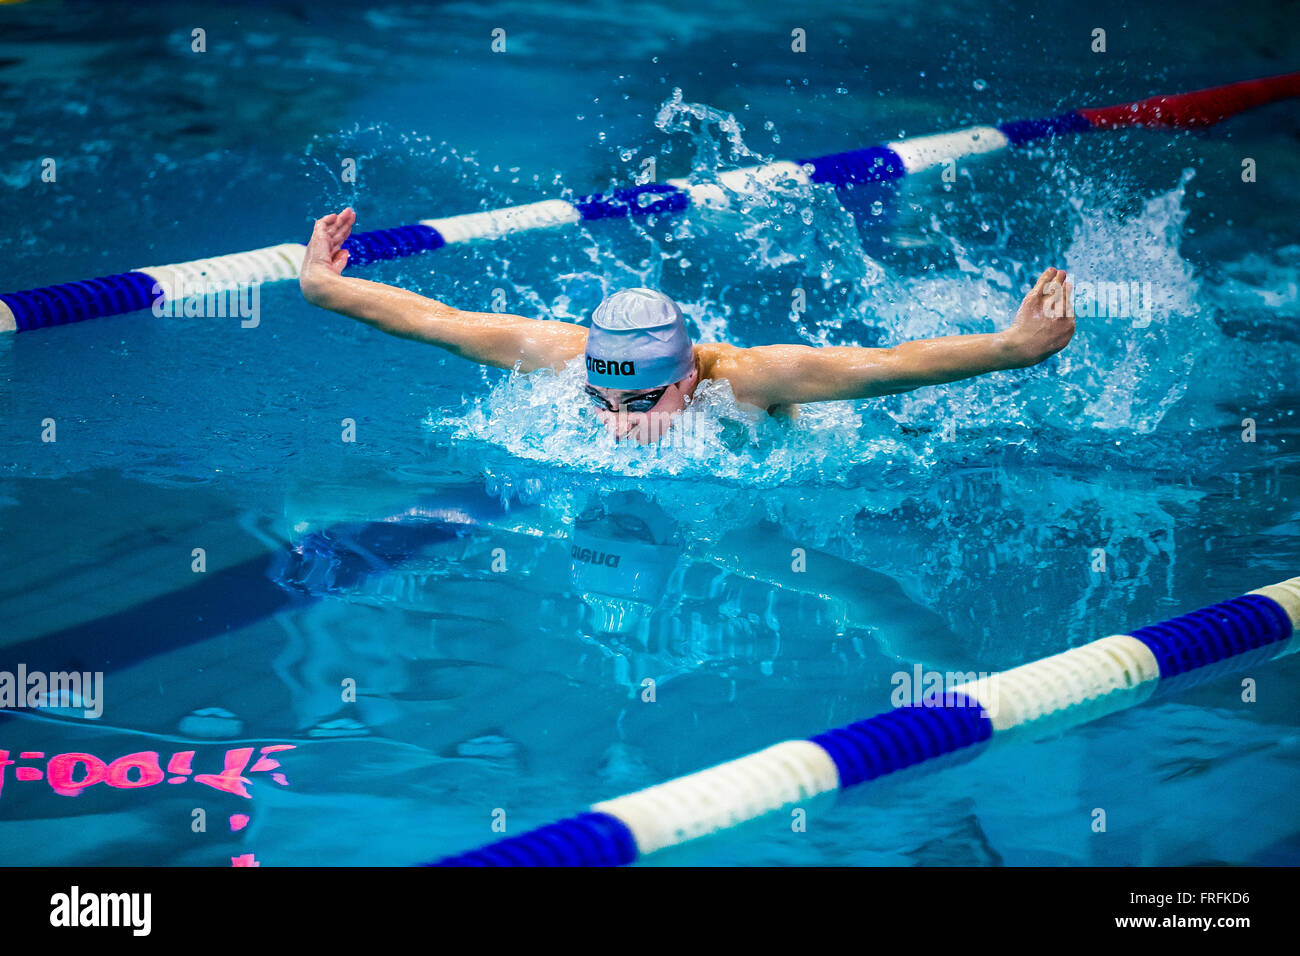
(140, 288)
(1043, 696)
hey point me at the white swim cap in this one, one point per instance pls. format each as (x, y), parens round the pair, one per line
(637, 340)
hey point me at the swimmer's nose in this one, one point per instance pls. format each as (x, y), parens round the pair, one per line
(625, 427)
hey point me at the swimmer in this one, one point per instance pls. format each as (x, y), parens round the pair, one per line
(642, 367)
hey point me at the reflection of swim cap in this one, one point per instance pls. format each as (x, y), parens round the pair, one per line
(638, 340)
(618, 567)
(622, 556)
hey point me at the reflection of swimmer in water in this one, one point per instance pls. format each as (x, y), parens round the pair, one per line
(625, 550)
(641, 584)
(641, 365)
(622, 554)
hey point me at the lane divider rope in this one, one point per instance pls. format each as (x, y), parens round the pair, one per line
(1046, 695)
(138, 289)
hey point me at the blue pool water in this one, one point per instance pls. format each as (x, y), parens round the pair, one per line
(430, 563)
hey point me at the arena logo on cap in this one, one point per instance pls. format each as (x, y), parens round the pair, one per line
(610, 367)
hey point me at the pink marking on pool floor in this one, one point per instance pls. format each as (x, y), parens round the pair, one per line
(266, 763)
(181, 762)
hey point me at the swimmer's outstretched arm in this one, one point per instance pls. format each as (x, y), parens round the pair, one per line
(776, 375)
(488, 338)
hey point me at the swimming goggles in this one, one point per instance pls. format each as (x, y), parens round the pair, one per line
(642, 403)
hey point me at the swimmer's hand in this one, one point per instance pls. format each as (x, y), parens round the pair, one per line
(326, 256)
(488, 338)
(1044, 323)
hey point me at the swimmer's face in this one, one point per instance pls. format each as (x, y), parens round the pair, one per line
(643, 414)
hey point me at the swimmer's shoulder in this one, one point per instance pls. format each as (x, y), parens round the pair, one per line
(711, 358)
(721, 360)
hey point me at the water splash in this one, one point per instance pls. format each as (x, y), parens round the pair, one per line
(780, 223)
(545, 417)
(1121, 374)
(1131, 368)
